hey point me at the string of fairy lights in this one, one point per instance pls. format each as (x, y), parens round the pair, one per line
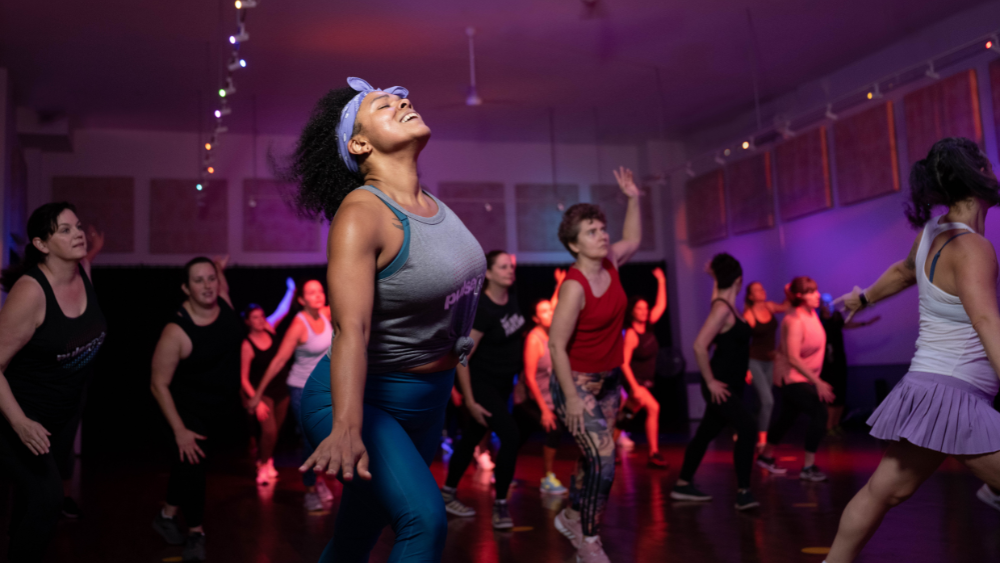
(226, 90)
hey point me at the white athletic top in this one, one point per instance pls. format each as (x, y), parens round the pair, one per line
(309, 353)
(948, 345)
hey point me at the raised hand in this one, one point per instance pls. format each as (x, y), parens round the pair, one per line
(626, 182)
(560, 275)
(659, 275)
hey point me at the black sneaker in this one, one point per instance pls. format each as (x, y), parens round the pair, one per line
(812, 473)
(745, 500)
(501, 516)
(689, 492)
(194, 548)
(771, 465)
(168, 530)
(70, 508)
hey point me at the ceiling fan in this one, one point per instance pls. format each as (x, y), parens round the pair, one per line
(472, 97)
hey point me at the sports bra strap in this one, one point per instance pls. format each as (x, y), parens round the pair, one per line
(404, 251)
(938, 255)
(731, 308)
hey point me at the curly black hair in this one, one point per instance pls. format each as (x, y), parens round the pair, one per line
(955, 169)
(322, 178)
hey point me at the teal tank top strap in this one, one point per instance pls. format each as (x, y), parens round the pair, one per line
(404, 251)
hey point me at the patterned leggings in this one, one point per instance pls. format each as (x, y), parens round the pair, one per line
(595, 470)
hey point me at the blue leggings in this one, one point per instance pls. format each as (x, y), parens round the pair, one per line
(403, 418)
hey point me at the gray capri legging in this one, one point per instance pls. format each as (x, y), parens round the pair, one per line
(763, 384)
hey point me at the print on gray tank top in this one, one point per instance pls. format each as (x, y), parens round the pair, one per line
(424, 309)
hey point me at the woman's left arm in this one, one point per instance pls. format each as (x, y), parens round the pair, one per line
(623, 250)
(661, 297)
(220, 268)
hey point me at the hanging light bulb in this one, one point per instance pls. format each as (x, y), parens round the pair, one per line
(229, 88)
(208, 146)
(198, 187)
(746, 145)
(210, 170)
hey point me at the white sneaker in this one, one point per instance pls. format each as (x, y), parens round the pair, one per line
(591, 552)
(483, 460)
(312, 502)
(625, 443)
(987, 495)
(263, 477)
(324, 492)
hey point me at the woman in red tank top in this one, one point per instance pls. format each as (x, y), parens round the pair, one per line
(587, 348)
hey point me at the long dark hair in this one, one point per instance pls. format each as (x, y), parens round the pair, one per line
(954, 170)
(491, 258)
(42, 224)
(322, 178)
(748, 301)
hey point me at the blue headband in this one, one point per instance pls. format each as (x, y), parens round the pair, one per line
(345, 129)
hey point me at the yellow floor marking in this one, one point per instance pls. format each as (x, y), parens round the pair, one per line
(172, 559)
(816, 550)
(805, 505)
(522, 528)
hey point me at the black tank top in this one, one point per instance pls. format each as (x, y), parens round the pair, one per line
(643, 362)
(762, 344)
(732, 353)
(210, 376)
(48, 375)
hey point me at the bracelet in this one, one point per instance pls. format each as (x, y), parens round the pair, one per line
(864, 300)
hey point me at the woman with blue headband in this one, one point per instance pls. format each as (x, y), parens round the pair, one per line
(404, 277)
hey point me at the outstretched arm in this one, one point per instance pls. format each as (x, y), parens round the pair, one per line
(661, 297)
(293, 338)
(898, 277)
(286, 303)
(560, 276)
(571, 301)
(220, 266)
(632, 233)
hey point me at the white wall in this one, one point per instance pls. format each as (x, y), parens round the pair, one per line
(145, 155)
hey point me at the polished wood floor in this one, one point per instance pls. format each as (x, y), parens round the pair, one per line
(943, 522)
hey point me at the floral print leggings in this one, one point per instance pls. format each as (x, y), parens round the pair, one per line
(595, 470)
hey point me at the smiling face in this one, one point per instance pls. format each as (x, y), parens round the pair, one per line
(313, 296)
(68, 242)
(202, 286)
(592, 241)
(501, 273)
(543, 314)
(387, 124)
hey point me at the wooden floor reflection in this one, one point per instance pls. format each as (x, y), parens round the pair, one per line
(245, 523)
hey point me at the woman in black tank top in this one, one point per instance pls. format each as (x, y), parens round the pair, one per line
(723, 386)
(639, 368)
(53, 328)
(259, 348)
(761, 315)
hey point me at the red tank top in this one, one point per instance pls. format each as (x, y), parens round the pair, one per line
(597, 343)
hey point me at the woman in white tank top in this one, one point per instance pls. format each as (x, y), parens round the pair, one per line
(308, 339)
(942, 406)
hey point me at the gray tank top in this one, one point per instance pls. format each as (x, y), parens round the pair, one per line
(425, 299)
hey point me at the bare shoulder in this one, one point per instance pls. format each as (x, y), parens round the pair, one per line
(25, 303)
(571, 290)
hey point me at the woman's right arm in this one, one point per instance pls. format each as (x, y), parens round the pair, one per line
(464, 377)
(713, 326)
(23, 312)
(898, 277)
(293, 337)
(165, 359)
(534, 349)
(246, 357)
(354, 242)
(571, 301)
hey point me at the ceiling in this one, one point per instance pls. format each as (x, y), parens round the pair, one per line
(624, 71)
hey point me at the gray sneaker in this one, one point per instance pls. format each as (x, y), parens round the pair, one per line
(168, 530)
(501, 516)
(456, 507)
(194, 548)
(812, 473)
(312, 502)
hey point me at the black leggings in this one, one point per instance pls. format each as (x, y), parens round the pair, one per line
(38, 492)
(799, 398)
(528, 417)
(717, 418)
(186, 487)
(493, 397)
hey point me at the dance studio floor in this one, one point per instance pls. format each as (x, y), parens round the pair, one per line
(944, 522)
